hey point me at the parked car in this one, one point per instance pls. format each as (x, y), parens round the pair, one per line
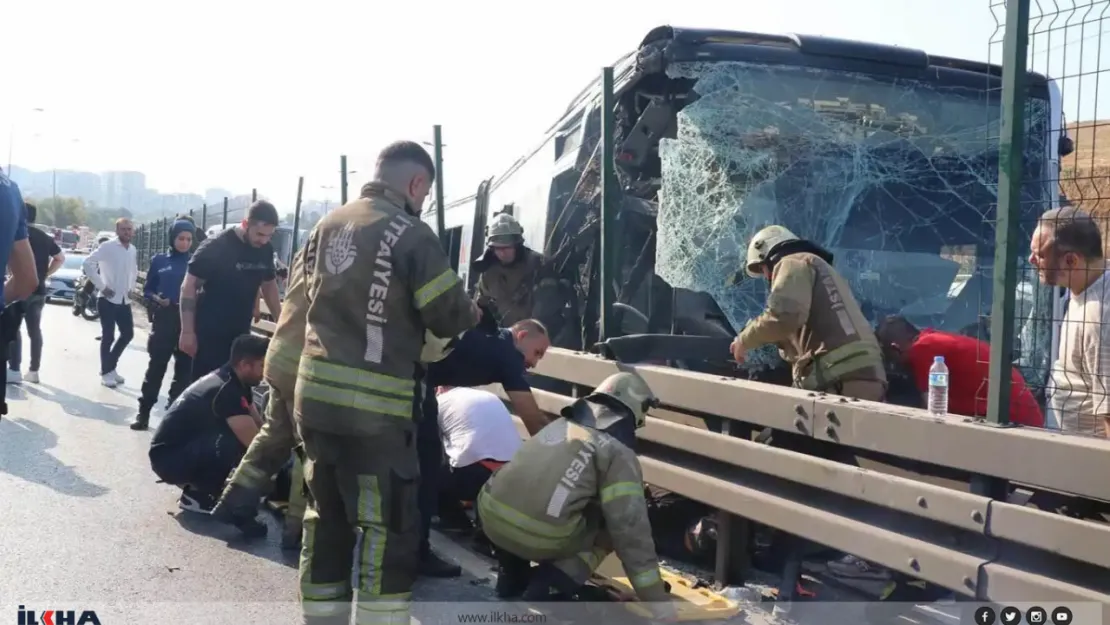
(63, 284)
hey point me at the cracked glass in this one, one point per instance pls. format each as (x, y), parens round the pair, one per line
(897, 177)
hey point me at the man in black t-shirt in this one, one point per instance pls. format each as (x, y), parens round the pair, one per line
(209, 426)
(48, 259)
(218, 295)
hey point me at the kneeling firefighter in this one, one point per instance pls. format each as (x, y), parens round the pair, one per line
(572, 494)
(813, 317)
(272, 447)
(509, 271)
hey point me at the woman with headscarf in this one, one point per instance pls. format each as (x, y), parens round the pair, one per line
(161, 293)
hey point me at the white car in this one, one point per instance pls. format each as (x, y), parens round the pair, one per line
(62, 285)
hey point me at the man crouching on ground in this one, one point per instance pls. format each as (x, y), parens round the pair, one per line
(207, 429)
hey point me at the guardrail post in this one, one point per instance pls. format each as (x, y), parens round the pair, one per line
(254, 195)
(732, 560)
(441, 228)
(297, 220)
(343, 179)
(608, 206)
(225, 211)
(204, 216)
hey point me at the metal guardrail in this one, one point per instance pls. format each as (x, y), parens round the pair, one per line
(923, 522)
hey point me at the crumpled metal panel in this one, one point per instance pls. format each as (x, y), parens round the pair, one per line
(898, 177)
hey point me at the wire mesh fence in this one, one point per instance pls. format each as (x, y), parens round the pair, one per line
(1060, 216)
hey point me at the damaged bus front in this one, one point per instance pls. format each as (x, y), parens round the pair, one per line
(883, 155)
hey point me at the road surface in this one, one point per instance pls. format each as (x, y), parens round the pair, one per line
(84, 525)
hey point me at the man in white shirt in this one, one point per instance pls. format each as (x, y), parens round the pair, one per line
(479, 436)
(113, 270)
(1067, 251)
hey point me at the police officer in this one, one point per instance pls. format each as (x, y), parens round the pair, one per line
(376, 278)
(509, 272)
(572, 494)
(161, 293)
(270, 450)
(813, 317)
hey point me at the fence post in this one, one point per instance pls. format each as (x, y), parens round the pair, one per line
(608, 206)
(254, 195)
(204, 217)
(296, 221)
(441, 228)
(343, 179)
(225, 211)
(1011, 148)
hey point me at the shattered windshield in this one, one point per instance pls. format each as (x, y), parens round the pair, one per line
(896, 176)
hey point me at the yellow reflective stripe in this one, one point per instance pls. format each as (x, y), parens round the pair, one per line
(434, 288)
(323, 592)
(283, 354)
(348, 398)
(621, 489)
(387, 609)
(644, 579)
(250, 476)
(371, 540)
(325, 608)
(537, 531)
(352, 376)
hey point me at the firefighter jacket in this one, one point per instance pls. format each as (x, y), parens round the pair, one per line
(511, 287)
(376, 278)
(287, 343)
(564, 486)
(813, 317)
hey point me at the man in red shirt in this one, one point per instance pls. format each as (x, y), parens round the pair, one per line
(967, 359)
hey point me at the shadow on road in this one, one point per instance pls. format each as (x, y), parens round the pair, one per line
(268, 548)
(78, 406)
(23, 454)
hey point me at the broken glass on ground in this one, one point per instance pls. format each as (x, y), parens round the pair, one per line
(896, 176)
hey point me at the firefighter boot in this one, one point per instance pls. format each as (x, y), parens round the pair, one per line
(513, 574)
(549, 583)
(238, 505)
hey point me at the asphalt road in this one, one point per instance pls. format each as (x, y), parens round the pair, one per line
(85, 526)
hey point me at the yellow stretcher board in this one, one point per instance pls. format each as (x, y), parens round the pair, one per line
(691, 604)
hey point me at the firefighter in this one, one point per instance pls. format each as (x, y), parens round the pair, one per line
(573, 493)
(376, 278)
(270, 450)
(813, 317)
(160, 293)
(508, 271)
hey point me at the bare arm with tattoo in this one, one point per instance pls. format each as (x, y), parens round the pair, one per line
(188, 341)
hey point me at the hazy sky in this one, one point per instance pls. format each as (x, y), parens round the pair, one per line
(245, 93)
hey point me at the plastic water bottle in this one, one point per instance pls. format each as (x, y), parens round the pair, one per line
(938, 387)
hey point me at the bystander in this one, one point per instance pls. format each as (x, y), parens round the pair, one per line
(1067, 251)
(220, 290)
(114, 270)
(48, 259)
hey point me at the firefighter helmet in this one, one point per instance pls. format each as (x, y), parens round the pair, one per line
(762, 245)
(630, 391)
(435, 348)
(504, 231)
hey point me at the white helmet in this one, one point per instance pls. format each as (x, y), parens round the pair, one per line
(436, 348)
(504, 230)
(761, 245)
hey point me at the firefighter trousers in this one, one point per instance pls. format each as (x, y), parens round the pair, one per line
(361, 526)
(578, 558)
(269, 452)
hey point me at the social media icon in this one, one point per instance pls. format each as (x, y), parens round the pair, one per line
(1061, 616)
(1036, 615)
(1010, 615)
(984, 616)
